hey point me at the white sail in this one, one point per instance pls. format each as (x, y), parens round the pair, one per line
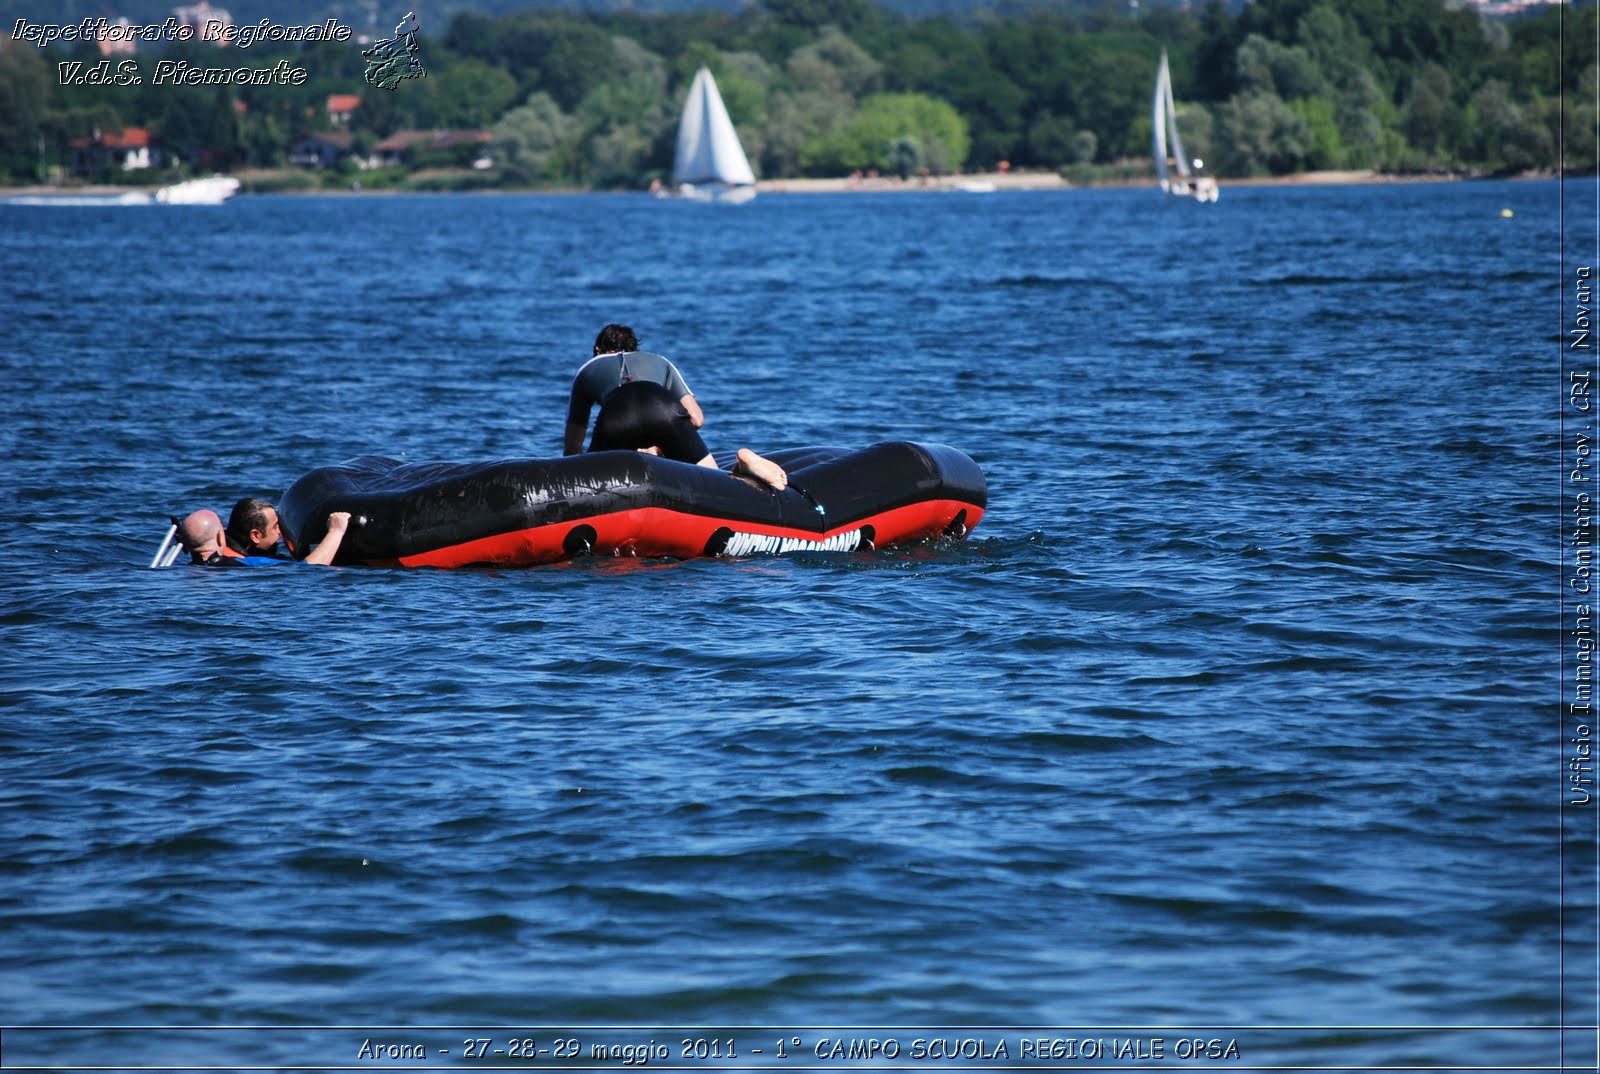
(1158, 122)
(1178, 155)
(1164, 124)
(709, 153)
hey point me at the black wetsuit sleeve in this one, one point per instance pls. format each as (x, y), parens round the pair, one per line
(578, 407)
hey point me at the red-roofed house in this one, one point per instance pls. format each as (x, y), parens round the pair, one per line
(340, 105)
(402, 148)
(129, 149)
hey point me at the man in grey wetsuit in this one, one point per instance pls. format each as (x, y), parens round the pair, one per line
(645, 405)
(617, 361)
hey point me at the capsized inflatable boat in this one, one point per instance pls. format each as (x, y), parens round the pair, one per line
(525, 511)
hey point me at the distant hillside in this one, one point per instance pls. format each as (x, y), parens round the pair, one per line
(588, 99)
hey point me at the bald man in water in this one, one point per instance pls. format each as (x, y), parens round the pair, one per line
(201, 534)
(205, 540)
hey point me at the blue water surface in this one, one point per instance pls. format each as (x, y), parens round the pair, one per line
(1237, 710)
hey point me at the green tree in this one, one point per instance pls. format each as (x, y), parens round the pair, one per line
(1509, 138)
(1363, 113)
(819, 100)
(223, 138)
(473, 35)
(24, 98)
(263, 140)
(1110, 87)
(1257, 133)
(471, 93)
(1268, 67)
(1213, 55)
(184, 124)
(1052, 140)
(1333, 42)
(616, 157)
(1324, 148)
(634, 93)
(1083, 147)
(743, 79)
(560, 54)
(815, 14)
(794, 120)
(1198, 127)
(939, 131)
(911, 63)
(834, 64)
(535, 142)
(904, 157)
(994, 106)
(1427, 109)
(382, 112)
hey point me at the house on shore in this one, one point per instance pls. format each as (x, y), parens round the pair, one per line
(320, 149)
(341, 106)
(408, 149)
(129, 149)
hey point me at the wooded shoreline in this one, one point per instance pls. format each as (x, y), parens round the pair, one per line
(561, 101)
(975, 183)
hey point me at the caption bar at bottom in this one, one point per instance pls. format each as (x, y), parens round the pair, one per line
(974, 1048)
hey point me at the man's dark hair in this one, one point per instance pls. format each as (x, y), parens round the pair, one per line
(248, 514)
(615, 337)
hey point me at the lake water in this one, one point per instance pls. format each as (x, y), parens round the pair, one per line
(1235, 720)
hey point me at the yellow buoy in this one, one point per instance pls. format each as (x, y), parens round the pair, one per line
(1507, 213)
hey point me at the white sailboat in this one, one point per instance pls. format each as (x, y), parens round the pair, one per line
(1189, 181)
(710, 164)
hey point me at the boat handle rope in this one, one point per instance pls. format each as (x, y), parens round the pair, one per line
(812, 500)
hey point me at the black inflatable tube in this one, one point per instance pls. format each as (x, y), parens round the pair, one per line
(538, 510)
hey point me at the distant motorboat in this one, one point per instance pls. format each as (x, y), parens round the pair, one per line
(710, 164)
(1190, 182)
(212, 190)
(132, 197)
